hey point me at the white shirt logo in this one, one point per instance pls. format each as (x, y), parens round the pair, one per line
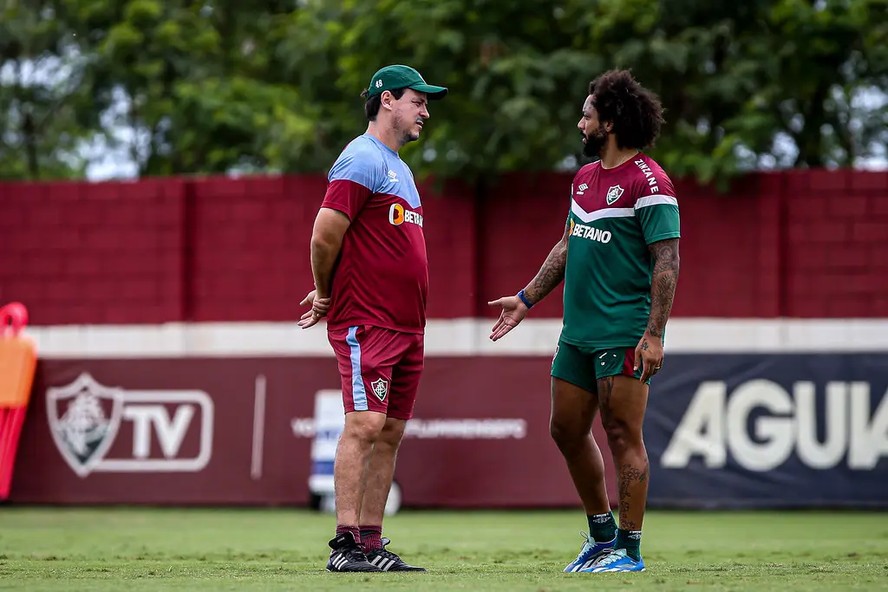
(613, 194)
(582, 188)
(380, 388)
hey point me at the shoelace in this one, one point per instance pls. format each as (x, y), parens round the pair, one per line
(588, 544)
(388, 554)
(612, 556)
(385, 552)
(354, 554)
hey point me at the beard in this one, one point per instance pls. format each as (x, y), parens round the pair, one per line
(411, 136)
(407, 130)
(594, 143)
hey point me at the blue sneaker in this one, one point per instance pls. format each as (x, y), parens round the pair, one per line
(589, 553)
(614, 560)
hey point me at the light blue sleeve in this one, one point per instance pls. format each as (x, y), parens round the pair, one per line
(359, 165)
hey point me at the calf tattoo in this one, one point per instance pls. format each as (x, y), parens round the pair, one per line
(630, 477)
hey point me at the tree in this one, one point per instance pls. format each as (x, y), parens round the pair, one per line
(42, 103)
(754, 84)
(191, 86)
(188, 81)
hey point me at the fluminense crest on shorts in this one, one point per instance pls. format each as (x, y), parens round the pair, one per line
(380, 388)
(613, 194)
(84, 417)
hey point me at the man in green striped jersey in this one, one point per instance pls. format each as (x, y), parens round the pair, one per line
(619, 261)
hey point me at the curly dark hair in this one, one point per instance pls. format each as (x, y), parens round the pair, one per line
(372, 104)
(636, 112)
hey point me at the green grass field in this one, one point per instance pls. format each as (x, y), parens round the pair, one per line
(276, 549)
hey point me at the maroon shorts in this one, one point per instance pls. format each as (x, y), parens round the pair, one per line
(380, 369)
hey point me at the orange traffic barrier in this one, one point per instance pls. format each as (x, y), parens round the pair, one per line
(18, 360)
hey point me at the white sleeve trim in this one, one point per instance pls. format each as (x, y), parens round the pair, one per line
(655, 200)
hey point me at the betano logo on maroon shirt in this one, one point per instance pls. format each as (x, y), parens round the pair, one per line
(398, 215)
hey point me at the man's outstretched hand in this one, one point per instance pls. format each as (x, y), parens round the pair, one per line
(513, 312)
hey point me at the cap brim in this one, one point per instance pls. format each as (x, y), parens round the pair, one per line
(433, 92)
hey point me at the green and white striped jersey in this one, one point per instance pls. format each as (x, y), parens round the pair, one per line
(614, 215)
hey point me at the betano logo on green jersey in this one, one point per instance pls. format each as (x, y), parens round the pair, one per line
(590, 232)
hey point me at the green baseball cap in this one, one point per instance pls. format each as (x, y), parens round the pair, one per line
(398, 76)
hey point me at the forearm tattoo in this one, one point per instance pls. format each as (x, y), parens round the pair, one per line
(550, 274)
(665, 278)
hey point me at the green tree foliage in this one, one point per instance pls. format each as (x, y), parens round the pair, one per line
(188, 86)
(193, 81)
(45, 113)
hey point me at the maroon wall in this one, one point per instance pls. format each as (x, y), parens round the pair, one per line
(433, 471)
(103, 253)
(798, 244)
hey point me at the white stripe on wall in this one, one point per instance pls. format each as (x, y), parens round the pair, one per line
(454, 337)
(258, 428)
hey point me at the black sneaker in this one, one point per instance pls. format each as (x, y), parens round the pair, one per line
(388, 561)
(347, 555)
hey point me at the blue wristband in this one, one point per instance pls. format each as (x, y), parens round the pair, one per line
(523, 298)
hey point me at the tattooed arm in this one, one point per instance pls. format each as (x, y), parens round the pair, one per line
(514, 308)
(551, 273)
(665, 277)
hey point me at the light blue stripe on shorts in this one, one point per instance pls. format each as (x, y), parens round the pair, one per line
(359, 395)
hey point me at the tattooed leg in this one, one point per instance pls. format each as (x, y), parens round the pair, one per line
(622, 402)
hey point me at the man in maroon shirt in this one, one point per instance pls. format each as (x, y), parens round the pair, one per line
(368, 258)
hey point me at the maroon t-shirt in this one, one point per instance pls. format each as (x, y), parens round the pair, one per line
(382, 276)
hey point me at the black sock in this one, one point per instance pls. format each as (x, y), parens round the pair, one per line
(631, 541)
(602, 527)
